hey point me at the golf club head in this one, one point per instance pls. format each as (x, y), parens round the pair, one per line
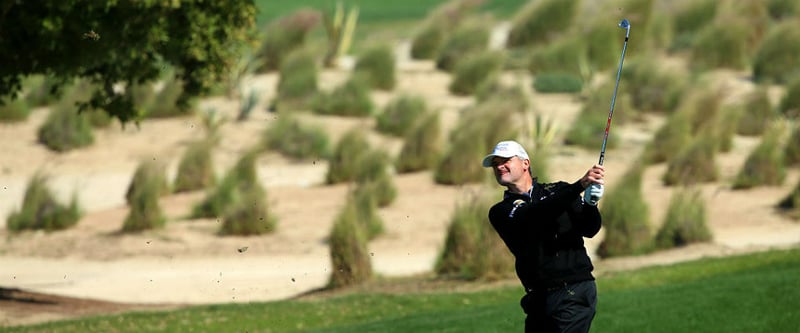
(625, 24)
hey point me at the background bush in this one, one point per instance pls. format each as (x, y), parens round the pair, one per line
(764, 165)
(471, 37)
(689, 19)
(553, 82)
(346, 156)
(297, 84)
(148, 171)
(694, 163)
(790, 102)
(13, 110)
(365, 198)
(41, 211)
(296, 139)
(775, 59)
(196, 168)
(791, 204)
(541, 21)
(147, 186)
(722, 44)
(567, 55)
(228, 191)
(474, 70)
(626, 218)
(471, 139)
(352, 98)
(472, 250)
(651, 87)
(165, 102)
(756, 113)
(792, 152)
(373, 172)
(377, 66)
(421, 146)
(65, 129)
(686, 221)
(350, 259)
(285, 35)
(400, 114)
(249, 213)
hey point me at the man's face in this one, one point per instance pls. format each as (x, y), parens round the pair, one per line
(509, 170)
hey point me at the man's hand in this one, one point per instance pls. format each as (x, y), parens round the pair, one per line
(593, 176)
(592, 194)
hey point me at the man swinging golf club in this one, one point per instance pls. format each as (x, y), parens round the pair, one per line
(543, 226)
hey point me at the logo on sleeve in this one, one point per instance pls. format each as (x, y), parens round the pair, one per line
(517, 203)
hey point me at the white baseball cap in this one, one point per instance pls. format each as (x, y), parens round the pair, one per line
(505, 149)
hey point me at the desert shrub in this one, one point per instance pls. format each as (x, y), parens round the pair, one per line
(400, 114)
(783, 9)
(351, 98)
(148, 173)
(247, 102)
(248, 214)
(673, 135)
(541, 21)
(756, 113)
(589, 127)
(538, 135)
(377, 66)
(554, 82)
(474, 70)
(99, 118)
(438, 24)
(350, 259)
(366, 206)
(65, 129)
(689, 19)
(694, 163)
(421, 145)
(284, 35)
(472, 250)
(566, 56)
(603, 43)
(790, 102)
(725, 128)
(464, 40)
(764, 165)
(427, 42)
(625, 217)
(372, 170)
(39, 90)
(196, 168)
(791, 203)
(792, 152)
(343, 164)
(147, 186)
(722, 44)
(493, 89)
(165, 102)
(13, 110)
(686, 221)
(651, 87)
(775, 59)
(293, 138)
(752, 14)
(297, 84)
(472, 137)
(599, 97)
(228, 190)
(41, 211)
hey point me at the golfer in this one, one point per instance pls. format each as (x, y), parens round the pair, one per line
(543, 225)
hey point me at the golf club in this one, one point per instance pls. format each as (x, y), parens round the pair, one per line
(624, 24)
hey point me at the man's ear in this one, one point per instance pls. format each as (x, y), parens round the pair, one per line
(527, 164)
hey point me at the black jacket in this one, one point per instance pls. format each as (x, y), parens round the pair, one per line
(544, 231)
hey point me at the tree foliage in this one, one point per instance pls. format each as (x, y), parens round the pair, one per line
(118, 43)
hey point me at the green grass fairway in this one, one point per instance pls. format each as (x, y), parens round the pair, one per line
(372, 11)
(751, 293)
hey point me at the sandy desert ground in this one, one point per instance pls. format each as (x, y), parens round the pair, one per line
(187, 263)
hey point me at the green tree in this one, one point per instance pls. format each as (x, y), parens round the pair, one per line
(121, 43)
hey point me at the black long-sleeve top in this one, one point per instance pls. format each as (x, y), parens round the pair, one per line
(544, 229)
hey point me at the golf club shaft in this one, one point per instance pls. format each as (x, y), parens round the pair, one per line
(626, 25)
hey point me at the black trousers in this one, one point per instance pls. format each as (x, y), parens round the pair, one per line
(570, 308)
